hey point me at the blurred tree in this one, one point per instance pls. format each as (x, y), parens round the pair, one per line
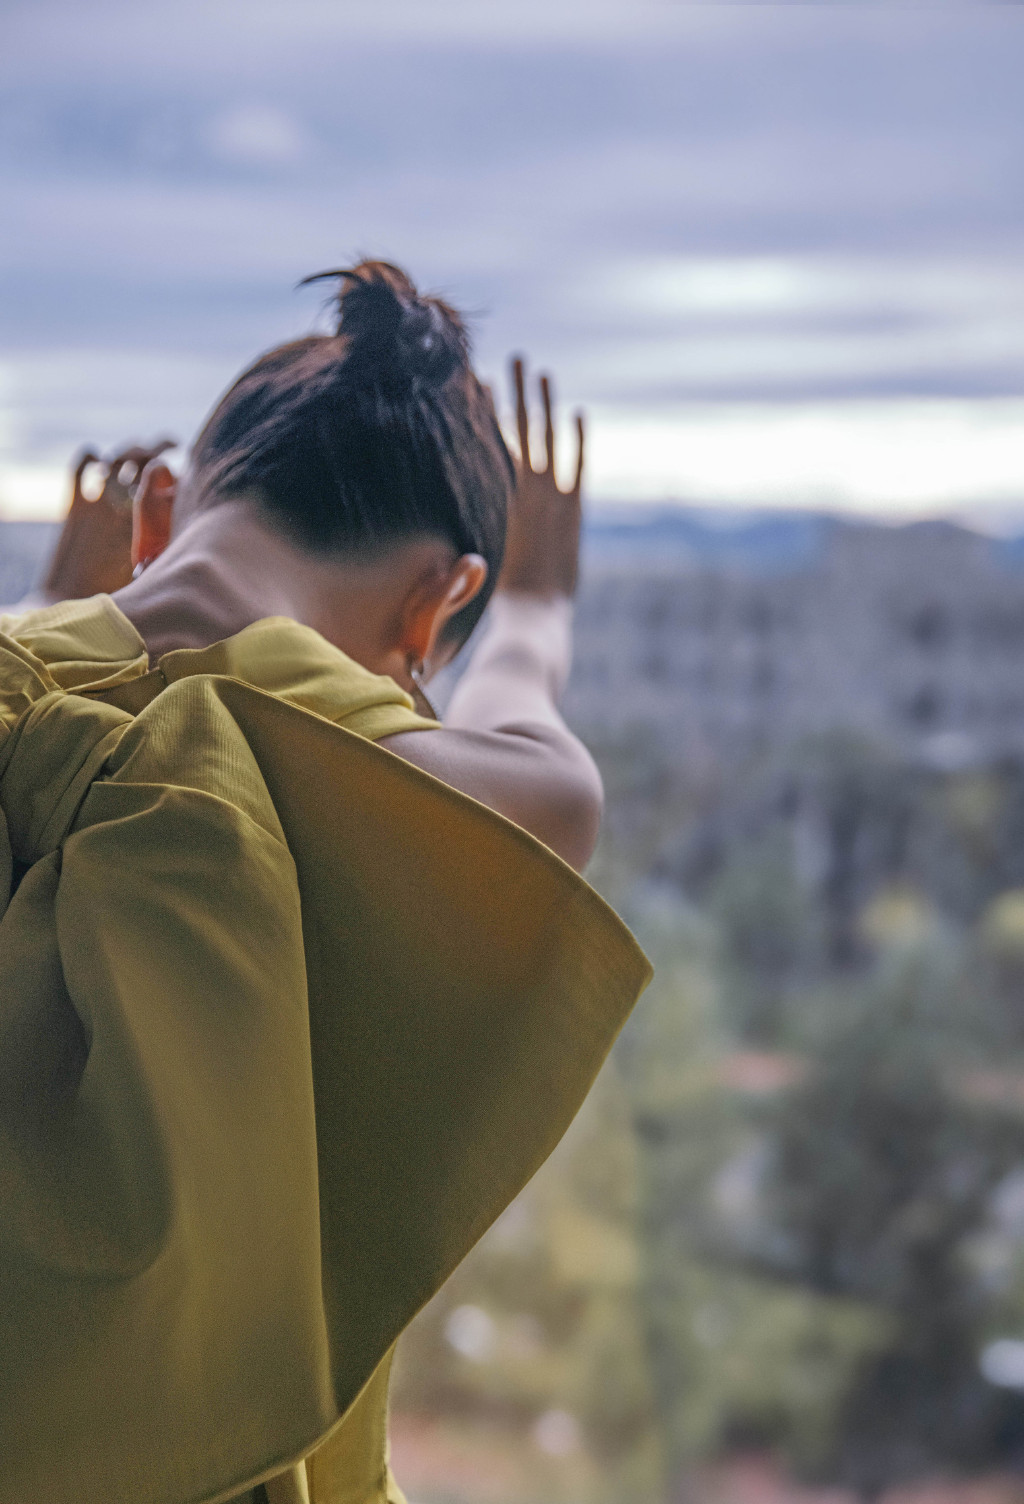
(537, 1337)
(818, 1271)
(769, 934)
(1001, 957)
(884, 1161)
(790, 1229)
(738, 1358)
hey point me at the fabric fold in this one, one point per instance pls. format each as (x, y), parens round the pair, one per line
(285, 1023)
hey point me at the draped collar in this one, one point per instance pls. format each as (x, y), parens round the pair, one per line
(75, 675)
(89, 647)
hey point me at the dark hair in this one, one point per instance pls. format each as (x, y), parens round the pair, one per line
(376, 433)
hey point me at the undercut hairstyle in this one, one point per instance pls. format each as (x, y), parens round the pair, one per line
(380, 432)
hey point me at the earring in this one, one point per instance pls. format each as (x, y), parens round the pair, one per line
(417, 669)
(142, 565)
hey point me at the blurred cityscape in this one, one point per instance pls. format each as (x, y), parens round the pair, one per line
(732, 640)
(779, 1258)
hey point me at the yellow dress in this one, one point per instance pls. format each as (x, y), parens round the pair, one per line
(285, 1023)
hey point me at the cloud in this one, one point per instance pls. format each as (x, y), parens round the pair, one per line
(907, 457)
(52, 403)
(195, 36)
(256, 135)
(667, 204)
(114, 390)
(902, 458)
(742, 326)
(704, 287)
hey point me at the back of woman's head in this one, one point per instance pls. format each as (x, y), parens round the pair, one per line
(377, 433)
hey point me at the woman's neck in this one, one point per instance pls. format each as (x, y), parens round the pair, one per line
(229, 567)
(223, 571)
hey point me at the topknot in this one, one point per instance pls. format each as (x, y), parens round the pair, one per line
(397, 337)
(356, 440)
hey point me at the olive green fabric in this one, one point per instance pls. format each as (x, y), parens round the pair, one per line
(351, 1465)
(284, 1024)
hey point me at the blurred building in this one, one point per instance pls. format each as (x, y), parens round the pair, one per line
(731, 641)
(24, 547)
(728, 640)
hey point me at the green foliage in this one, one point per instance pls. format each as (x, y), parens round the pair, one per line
(757, 1364)
(819, 1266)
(782, 1219)
(768, 933)
(554, 1290)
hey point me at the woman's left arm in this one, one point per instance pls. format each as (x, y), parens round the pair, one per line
(504, 741)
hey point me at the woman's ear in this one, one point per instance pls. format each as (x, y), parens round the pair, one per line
(151, 513)
(465, 583)
(436, 600)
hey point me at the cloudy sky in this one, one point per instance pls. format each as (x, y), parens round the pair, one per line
(774, 250)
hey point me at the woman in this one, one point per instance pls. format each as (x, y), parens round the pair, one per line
(286, 1019)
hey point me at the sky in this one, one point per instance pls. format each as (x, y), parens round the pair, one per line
(774, 251)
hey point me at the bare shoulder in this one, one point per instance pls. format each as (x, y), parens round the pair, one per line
(538, 775)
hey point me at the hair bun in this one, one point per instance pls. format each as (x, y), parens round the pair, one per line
(400, 338)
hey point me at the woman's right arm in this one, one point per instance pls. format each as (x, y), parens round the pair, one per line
(504, 741)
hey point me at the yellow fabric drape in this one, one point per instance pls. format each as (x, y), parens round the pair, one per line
(284, 1024)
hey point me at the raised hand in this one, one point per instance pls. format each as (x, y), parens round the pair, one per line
(543, 540)
(93, 552)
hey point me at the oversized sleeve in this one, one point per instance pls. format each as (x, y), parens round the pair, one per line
(284, 1025)
(161, 1311)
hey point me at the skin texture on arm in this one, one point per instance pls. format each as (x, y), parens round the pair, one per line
(505, 742)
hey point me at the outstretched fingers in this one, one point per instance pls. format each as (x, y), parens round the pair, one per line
(135, 457)
(522, 415)
(549, 425)
(82, 463)
(140, 454)
(577, 485)
(523, 432)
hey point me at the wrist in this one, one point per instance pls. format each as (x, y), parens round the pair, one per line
(507, 600)
(540, 625)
